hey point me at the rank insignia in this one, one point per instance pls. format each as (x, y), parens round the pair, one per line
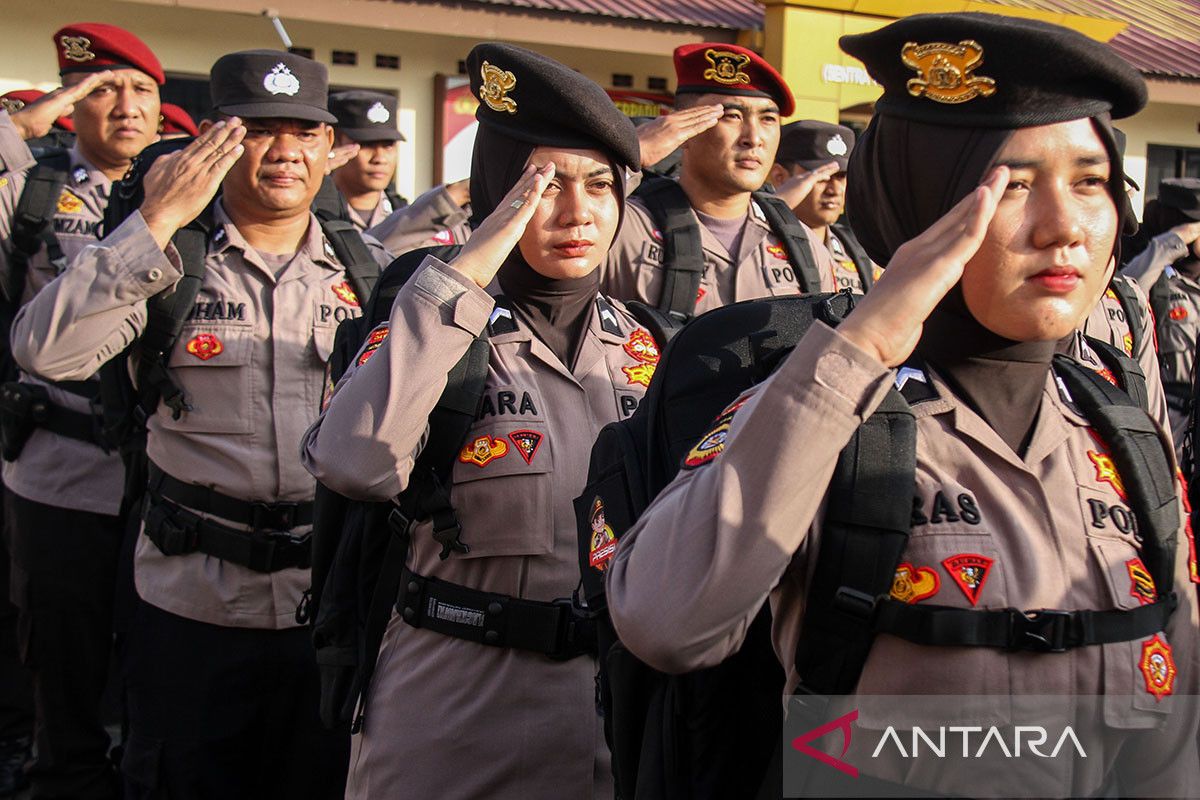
(1158, 667)
(604, 541)
(345, 293)
(713, 442)
(376, 338)
(944, 71)
(77, 48)
(726, 67)
(483, 451)
(777, 251)
(1177, 313)
(527, 443)
(970, 571)
(1141, 584)
(378, 114)
(914, 583)
(497, 83)
(205, 345)
(68, 203)
(643, 349)
(1106, 470)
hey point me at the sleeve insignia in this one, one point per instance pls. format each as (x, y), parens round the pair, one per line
(642, 348)
(377, 338)
(497, 83)
(1158, 667)
(712, 444)
(915, 583)
(1177, 313)
(726, 67)
(970, 571)
(604, 541)
(483, 451)
(204, 346)
(944, 71)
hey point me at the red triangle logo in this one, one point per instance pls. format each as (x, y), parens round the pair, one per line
(970, 571)
(527, 443)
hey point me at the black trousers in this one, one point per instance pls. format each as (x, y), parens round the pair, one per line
(16, 684)
(64, 571)
(221, 712)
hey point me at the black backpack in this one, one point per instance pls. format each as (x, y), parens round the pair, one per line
(711, 733)
(683, 254)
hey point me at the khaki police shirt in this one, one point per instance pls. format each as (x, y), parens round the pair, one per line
(379, 213)
(526, 725)
(1178, 328)
(633, 270)
(52, 469)
(251, 362)
(431, 220)
(688, 578)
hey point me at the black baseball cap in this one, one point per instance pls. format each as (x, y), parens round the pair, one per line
(270, 84)
(1182, 194)
(811, 143)
(366, 116)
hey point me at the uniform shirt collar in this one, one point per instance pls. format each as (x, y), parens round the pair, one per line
(83, 173)
(315, 246)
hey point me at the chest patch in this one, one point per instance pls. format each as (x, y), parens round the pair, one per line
(205, 345)
(483, 451)
(1106, 470)
(1158, 667)
(642, 348)
(912, 584)
(970, 571)
(527, 443)
(603, 543)
(345, 293)
(68, 203)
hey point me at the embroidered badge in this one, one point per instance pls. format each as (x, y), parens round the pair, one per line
(1106, 373)
(1111, 294)
(497, 83)
(205, 345)
(68, 203)
(914, 583)
(11, 104)
(1158, 667)
(777, 251)
(80, 175)
(1177, 313)
(644, 350)
(970, 571)
(378, 113)
(1141, 584)
(527, 443)
(77, 48)
(1106, 470)
(713, 442)
(280, 80)
(700, 293)
(604, 541)
(944, 71)
(657, 234)
(1193, 571)
(1127, 343)
(726, 67)
(444, 237)
(483, 451)
(376, 338)
(836, 146)
(345, 293)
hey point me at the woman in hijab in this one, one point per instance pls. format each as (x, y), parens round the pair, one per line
(482, 688)
(988, 182)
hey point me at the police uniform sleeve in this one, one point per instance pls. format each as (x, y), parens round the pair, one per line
(1146, 267)
(366, 440)
(634, 239)
(693, 571)
(15, 159)
(409, 227)
(96, 307)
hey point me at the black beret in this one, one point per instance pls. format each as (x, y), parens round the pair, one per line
(1182, 194)
(811, 143)
(537, 100)
(1120, 138)
(270, 84)
(993, 71)
(366, 116)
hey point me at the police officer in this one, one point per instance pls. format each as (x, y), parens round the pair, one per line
(438, 217)
(221, 682)
(547, 189)
(367, 119)
(995, 198)
(62, 133)
(809, 144)
(175, 122)
(734, 101)
(62, 488)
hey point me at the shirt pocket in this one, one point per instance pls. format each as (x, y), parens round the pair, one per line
(212, 363)
(503, 489)
(779, 275)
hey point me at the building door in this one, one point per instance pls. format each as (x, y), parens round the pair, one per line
(1169, 161)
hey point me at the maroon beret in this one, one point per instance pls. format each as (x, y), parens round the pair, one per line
(717, 68)
(95, 46)
(176, 120)
(19, 98)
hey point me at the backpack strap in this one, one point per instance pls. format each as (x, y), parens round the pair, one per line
(353, 254)
(683, 253)
(32, 220)
(662, 327)
(862, 261)
(1132, 307)
(784, 224)
(1128, 372)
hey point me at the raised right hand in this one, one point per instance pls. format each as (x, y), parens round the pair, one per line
(181, 184)
(801, 184)
(660, 137)
(887, 322)
(495, 238)
(37, 118)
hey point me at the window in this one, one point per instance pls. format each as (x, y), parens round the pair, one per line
(307, 52)
(621, 80)
(347, 57)
(656, 84)
(383, 61)
(1168, 161)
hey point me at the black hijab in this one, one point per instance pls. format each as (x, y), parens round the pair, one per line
(904, 176)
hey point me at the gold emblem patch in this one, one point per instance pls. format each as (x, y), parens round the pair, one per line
(69, 203)
(11, 104)
(726, 67)
(944, 71)
(75, 48)
(497, 83)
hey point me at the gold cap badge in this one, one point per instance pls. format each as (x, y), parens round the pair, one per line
(497, 83)
(11, 104)
(75, 48)
(944, 71)
(726, 67)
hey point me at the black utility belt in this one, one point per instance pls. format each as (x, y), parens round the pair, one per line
(555, 629)
(178, 531)
(254, 514)
(25, 407)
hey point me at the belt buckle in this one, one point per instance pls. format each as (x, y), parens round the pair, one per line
(1041, 631)
(578, 630)
(287, 537)
(272, 517)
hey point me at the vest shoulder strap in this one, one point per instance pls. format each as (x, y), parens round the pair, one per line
(33, 216)
(1128, 372)
(862, 261)
(683, 252)
(1132, 308)
(352, 252)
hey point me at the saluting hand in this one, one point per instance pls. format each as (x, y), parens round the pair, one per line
(799, 186)
(496, 237)
(340, 156)
(181, 184)
(659, 138)
(37, 118)
(887, 322)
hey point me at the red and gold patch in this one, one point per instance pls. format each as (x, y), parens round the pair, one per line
(527, 443)
(1127, 341)
(68, 203)
(483, 451)
(712, 444)
(345, 293)
(205, 345)
(1177, 313)
(915, 583)
(643, 349)
(376, 338)
(604, 541)
(970, 571)
(1158, 667)
(1106, 469)
(1141, 583)
(700, 294)
(777, 251)
(1193, 571)
(1106, 373)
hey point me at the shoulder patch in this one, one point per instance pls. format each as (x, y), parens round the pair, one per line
(712, 444)
(377, 338)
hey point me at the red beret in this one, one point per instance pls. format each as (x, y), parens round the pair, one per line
(19, 98)
(94, 47)
(176, 120)
(717, 68)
